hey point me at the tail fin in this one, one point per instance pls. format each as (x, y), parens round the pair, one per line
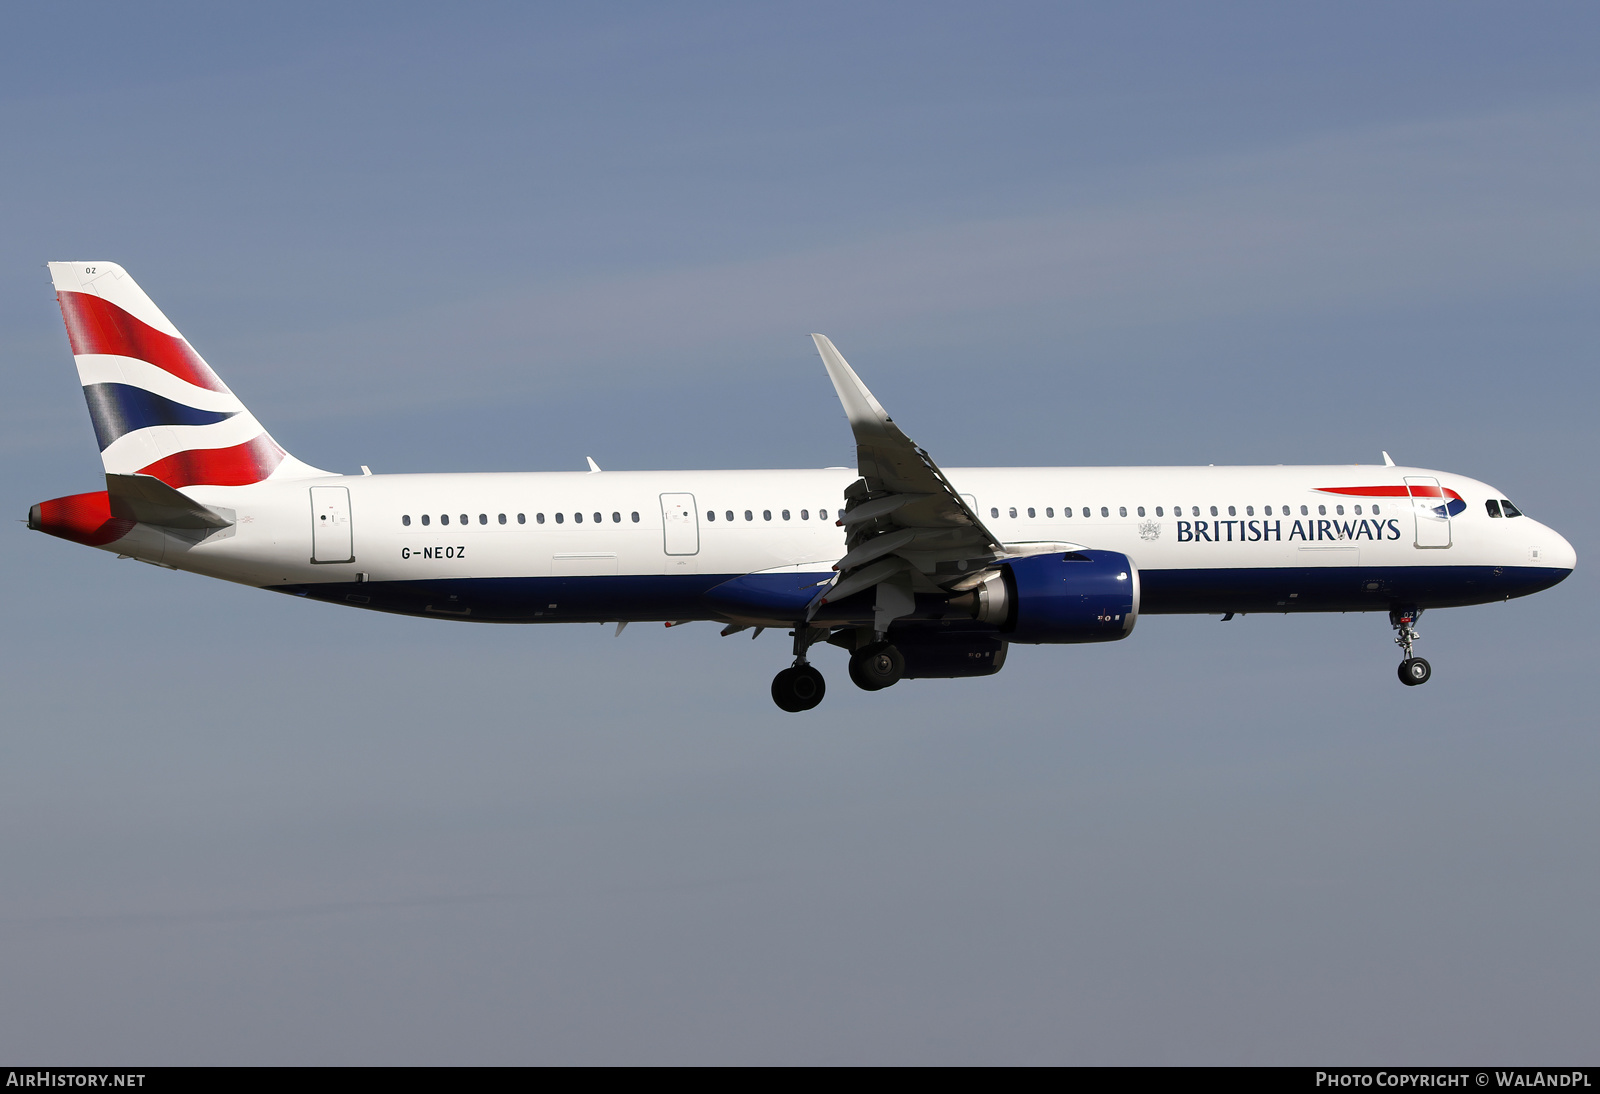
(157, 407)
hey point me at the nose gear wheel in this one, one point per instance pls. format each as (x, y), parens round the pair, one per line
(1413, 670)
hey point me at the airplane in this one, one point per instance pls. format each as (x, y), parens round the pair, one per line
(917, 571)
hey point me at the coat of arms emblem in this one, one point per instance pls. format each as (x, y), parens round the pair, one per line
(1149, 530)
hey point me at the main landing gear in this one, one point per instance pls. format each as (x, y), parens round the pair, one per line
(873, 667)
(1413, 670)
(800, 686)
(797, 688)
(876, 666)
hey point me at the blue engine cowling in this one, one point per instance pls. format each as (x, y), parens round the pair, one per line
(1081, 596)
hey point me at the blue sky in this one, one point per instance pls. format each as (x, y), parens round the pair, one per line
(490, 237)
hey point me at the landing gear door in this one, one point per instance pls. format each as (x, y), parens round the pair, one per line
(680, 524)
(330, 524)
(1430, 509)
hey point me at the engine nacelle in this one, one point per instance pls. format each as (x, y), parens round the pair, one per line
(1081, 596)
(950, 656)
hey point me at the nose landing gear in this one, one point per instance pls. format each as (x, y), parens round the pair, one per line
(1413, 670)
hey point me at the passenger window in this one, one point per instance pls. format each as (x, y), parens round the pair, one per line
(1213, 510)
(636, 518)
(522, 518)
(1232, 512)
(1374, 510)
(748, 515)
(1267, 509)
(483, 518)
(1159, 513)
(561, 518)
(805, 514)
(1493, 507)
(598, 518)
(577, 518)
(1085, 510)
(1013, 512)
(1194, 510)
(464, 519)
(766, 514)
(1049, 511)
(730, 514)
(616, 518)
(406, 520)
(1338, 510)
(1322, 510)
(1104, 511)
(444, 518)
(1066, 511)
(786, 514)
(1141, 510)
(1030, 512)
(502, 518)
(711, 514)
(822, 514)
(1122, 510)
(537, 516)
(1304, 512)
(1358, 510)
(994, 512)
(1508, 509)
(1249, 510)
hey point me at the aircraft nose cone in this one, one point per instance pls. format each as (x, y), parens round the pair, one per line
(1560, 553)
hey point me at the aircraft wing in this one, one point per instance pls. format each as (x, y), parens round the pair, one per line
(907, 527)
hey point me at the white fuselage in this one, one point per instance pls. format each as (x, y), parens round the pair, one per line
(1197, 523)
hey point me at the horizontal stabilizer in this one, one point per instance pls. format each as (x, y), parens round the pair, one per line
(148, 500)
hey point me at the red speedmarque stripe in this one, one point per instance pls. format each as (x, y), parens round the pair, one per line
(99, 326)
(240, 465)
(1390, 491)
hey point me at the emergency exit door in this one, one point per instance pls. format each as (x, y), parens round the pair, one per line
(330, 525)
(680, 525)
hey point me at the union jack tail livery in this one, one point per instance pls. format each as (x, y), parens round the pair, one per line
(158, 408)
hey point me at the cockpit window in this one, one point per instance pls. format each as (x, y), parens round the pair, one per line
(1508, 509)
(1493, 507)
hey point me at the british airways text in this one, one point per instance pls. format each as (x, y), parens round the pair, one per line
(1252, 531)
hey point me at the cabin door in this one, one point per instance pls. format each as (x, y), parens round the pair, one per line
(330, 524)
(1429, 508)
(680, 524)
